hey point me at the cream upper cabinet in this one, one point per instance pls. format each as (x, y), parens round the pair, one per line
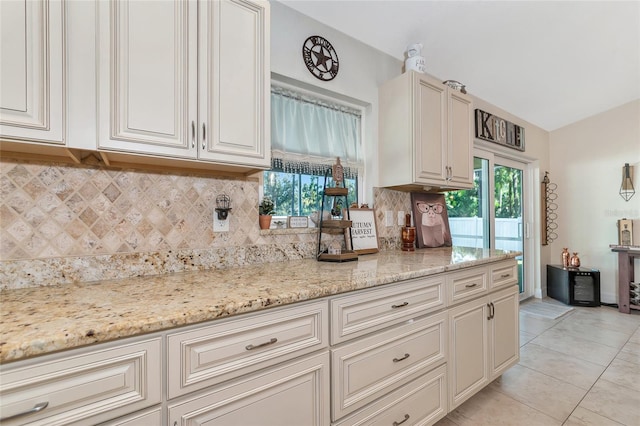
(425, 131)
(32, 71)
(234, 78)
(185, 79)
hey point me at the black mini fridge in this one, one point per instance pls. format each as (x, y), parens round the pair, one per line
(574, 286)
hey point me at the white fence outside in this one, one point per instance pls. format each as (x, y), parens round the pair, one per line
(468, 232)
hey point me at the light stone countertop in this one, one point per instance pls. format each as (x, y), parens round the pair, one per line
(37, 321)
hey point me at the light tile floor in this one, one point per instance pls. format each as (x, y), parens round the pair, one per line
(580, 369)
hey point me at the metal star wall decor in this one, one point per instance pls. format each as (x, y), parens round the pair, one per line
(320, 58)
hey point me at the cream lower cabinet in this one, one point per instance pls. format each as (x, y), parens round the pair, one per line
(185, 79)
(483, 342)
(32, 71)
(295, 393)
(84, 388)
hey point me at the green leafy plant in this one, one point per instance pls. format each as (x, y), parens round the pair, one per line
(266, 207)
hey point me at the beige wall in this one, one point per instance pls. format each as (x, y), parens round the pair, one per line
(586, 162)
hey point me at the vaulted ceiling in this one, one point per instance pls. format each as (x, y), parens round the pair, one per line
(549, 62)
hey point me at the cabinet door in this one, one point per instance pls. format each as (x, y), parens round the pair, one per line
(32, 70)
(460, 125)
(295, 393)
(147, 86)
(505, 343)
(235, 82)
(469, 344)
(431, 130)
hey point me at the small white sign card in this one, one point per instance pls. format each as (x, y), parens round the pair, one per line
(298, 222)
(363, 230)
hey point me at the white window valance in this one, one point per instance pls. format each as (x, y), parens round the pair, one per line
(307, 134)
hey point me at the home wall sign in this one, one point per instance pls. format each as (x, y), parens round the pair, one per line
(494, 129)
(320, 58)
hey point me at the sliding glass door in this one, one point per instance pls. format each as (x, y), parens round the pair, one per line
(491, 215)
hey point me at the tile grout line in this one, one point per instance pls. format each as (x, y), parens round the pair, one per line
(598, 378)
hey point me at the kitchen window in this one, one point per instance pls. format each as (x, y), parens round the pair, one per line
(308, 132)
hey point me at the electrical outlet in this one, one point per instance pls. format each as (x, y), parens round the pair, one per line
(220, 225)
(401, 218)
(388, 218)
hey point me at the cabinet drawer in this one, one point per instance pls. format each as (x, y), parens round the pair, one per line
(467, 284)
(421, 402)
(87, 388)
(371, 367)
(503, 274)
(296, 393)
(146, 418)
(212, 354)
(372, 310)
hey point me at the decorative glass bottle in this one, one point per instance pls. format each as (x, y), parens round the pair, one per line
(565, 257)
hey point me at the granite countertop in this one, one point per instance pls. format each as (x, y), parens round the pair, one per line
(37, 321)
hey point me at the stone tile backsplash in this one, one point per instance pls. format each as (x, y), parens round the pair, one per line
(64, 223)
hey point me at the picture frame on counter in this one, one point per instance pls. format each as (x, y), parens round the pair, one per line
(364, 232)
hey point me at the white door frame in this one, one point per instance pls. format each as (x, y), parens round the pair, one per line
(530, 192)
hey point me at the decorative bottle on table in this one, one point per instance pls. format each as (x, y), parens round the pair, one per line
(565, 257)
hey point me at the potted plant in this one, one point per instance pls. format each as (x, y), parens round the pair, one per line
(266, 209)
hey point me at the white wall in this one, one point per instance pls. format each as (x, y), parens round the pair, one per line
(362, 70)
(586, 163)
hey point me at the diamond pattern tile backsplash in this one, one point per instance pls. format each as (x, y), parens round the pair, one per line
(51, 210)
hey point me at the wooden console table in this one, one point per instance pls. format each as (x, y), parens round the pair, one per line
(626, 255)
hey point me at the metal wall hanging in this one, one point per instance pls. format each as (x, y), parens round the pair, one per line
(497, 130)
(626, 187)
(548, 210)
(320, 58)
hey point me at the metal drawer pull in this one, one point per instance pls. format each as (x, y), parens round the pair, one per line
(406, 417)
(402, 305)
(471, 285)
(38, 407)
(505, 275)
(490, 316)
(193, 134)
(261, 345)
(401, 359)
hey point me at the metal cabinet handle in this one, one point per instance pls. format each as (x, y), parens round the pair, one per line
(489, 307)
(204, 136)
(471, 285)
(402, 305)
(38, 407)
(406, 417)
(493, 311)
(193, 134)
(401, 359)
(261, 345)
(505, 275)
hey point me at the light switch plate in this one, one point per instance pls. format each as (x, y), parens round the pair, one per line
(220, 225)
(401, 218)
(388, 218)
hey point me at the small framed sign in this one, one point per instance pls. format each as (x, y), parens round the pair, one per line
(298, 222)
(363, 231)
